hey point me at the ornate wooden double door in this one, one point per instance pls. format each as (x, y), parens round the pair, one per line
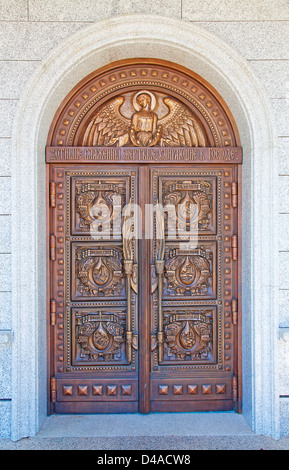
(144, 245)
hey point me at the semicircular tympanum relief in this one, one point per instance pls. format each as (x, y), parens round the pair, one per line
(143, 104)
(144, 119)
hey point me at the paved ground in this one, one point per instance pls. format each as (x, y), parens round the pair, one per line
(148, 443)
(164, 431)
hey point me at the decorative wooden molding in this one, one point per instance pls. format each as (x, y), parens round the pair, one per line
(222, 155)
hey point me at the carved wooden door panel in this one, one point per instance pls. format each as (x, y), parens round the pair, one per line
(94, 292)
(194, 287)
(144, 322)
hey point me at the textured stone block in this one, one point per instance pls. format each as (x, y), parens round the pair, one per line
(14, 10)
(284, 308)
(284, 361)
(284, 270)
(254, 40)
(32, 41)
(5, 157)
(13, 77)
(284, 194)
(5, 371)
(284, 416)
(283, 155)
(281, 109)
(274, 74)
(5, 234)
(90, 10)
(5, 273)
(5, 195)
(7, 114)
(220, 10)
(5, 419)
(5, 311)
(284, 232)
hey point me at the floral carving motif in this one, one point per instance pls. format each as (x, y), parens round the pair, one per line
(100, 336)
(96, 203)
(99, 271)
(192, 201)
(189, 335)
(188, 272)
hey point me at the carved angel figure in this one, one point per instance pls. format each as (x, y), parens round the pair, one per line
(178, 128)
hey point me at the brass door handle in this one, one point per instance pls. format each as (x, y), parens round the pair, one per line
(130, 271)
(159, 266)
(159, 271)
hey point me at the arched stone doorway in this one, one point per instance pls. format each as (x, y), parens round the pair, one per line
(90, 49)
(144, 322)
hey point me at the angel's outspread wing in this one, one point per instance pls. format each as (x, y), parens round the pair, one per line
(108, 126)
(180, 128)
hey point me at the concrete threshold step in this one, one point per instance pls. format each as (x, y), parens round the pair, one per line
(156, 431)
(154, 424)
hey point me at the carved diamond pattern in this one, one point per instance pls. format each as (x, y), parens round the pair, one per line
(221, 389)
(178, 389)
(126, 389)
(67, 390)
(207, 389)
(163, 389)
(111, 390)
(97, 390)
(82, 390)
(192, 389)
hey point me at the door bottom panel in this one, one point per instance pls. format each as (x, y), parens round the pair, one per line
(96, 408)
(194, 406)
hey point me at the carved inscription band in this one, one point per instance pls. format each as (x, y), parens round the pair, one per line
(141, 155)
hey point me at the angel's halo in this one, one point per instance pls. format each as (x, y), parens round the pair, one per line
(137, 107)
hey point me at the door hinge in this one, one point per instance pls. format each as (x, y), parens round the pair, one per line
(235, 311)
(234, 195)
(52, 194)
(53, 389)
(234, 247)
(235, 388)
(53, 312)
(52, 247)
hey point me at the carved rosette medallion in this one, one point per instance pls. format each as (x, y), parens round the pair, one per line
(96, 204)
(188, 335)
(192, 204)
(189, 272)
(100, 336)
(99, 271)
